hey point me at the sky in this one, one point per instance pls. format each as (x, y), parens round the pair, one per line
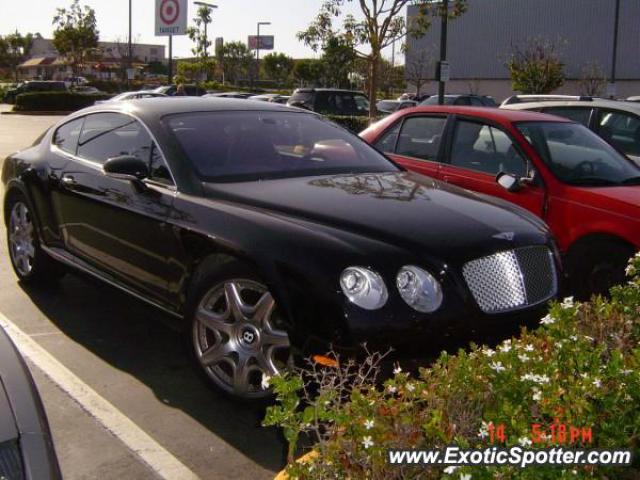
(233, 20)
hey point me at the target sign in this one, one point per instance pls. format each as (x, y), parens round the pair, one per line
(171, 17)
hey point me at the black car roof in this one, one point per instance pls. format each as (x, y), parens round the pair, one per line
(152, 109)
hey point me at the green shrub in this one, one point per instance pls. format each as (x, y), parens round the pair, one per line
(355, 124)
(56, 101)
(579, 368)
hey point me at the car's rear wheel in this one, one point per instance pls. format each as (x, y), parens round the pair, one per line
(596, 267)
(29, 261)
(237, 333)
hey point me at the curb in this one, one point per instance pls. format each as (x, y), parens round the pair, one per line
(35, 112)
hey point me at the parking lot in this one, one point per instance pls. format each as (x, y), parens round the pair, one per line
(128, 365)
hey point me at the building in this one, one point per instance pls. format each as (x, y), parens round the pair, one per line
(110, 57)
(481, 40)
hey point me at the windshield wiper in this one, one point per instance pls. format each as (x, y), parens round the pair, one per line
(631, 181)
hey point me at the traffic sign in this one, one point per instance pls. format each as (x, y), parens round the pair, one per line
(265, 42)
(171, 17)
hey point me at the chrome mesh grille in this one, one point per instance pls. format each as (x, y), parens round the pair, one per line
(512, 280)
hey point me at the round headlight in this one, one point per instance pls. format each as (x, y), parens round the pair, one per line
(364, 287)
(419, 289)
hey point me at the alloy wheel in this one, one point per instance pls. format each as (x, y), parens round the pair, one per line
(21, 239)
(238, 337)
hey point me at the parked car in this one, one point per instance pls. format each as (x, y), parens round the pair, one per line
(71, 81)
(85, 90)
(584, 189)
(134, 96)
(239, 95)
(282, 99)
(390, 106)
(473, 100)
(617, 122)
(189, 90)
(266, 230)
(331, 101)
(26, 446)
(633, 99)
(264, 97)
(34, 86)
(515, 99)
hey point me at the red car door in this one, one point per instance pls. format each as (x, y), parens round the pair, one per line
(478, 153)
(415, 143)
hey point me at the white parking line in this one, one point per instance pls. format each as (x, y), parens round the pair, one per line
(139, 442)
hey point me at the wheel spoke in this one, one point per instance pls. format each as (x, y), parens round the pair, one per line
(234, 301)
(276, 338)
(214, 321)
(23, 215)
(262, 308)
(216, 354)
(265, 362)
(241, 372)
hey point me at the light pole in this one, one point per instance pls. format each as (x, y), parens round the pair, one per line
(443, 50)
(258, 50)
(129, 48)
(209, 7)
(614, 54)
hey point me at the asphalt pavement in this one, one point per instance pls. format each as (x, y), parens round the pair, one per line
(133, 361)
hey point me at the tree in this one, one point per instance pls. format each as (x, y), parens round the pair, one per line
(308, 72)
(76, 33)
(198, 34)
(593, 80)
(381, 24)
(536, 67)
(277, 66)
(338, 61)
(420, 67)
(14, 49)
(236, 60)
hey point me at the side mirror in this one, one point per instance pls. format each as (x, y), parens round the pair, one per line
(126, 167)
(509, 182)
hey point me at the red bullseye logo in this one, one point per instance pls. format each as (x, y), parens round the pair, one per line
(169, 11)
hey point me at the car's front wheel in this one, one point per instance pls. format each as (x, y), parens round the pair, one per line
(237, 333)
(29, 261)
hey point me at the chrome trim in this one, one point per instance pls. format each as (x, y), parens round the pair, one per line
(75, 262)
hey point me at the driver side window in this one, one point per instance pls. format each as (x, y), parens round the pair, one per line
(485, 149)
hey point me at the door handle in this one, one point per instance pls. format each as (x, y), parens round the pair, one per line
(69, 181)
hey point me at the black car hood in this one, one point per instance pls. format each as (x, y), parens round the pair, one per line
(404, 208)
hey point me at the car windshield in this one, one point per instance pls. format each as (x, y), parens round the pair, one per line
(577, 156)
(250, 145)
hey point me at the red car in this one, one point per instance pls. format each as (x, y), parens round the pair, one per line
(586, 191)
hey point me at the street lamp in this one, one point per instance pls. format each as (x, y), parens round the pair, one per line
(209, 6)
(258, 50)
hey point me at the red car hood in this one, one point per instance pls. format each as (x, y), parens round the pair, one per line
(622, 200)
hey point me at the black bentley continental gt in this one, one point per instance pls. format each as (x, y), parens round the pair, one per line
(268, 231)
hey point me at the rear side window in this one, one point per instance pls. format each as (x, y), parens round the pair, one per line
(579, 115)
(108, 135)
(66, 137)
(420, 137)
(620, 129)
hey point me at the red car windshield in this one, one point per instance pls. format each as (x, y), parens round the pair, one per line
(577, 156)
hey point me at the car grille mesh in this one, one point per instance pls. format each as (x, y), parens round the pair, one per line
(512, 280)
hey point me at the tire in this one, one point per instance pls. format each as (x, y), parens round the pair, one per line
(30, 263)
(234, 331)
(596, 267)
